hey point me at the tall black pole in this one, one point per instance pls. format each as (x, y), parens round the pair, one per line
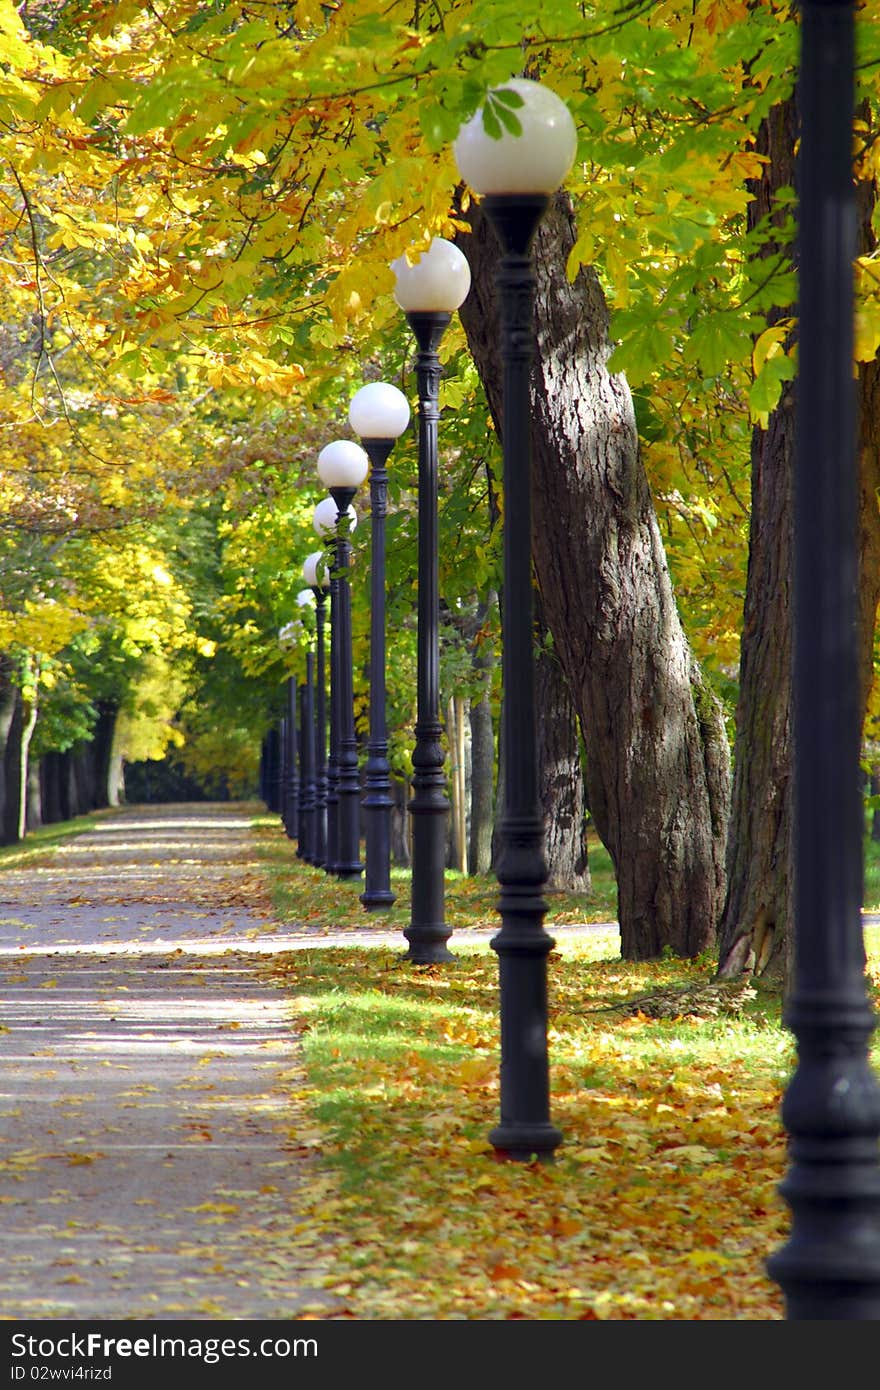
(332, 853)
(308, 761)
(377, 802)
(284, 750)
(302, 845)
(522, 944)
(428, 933)
(278, 770)
(348, 789)
(320, 846)
(830, 1268)
(291, 765)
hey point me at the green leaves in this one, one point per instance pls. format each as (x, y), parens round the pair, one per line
(717, 341)
(645, 344)
(499, 113)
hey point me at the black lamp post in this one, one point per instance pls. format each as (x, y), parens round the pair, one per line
(284, 749)
(291, 794)
(516, 175)
(302, 844)
(324, 523)
(830, 1268)
(290, 802)
(379, 413)
(307, 836)
(307, 745)
(316, 576)
(342, 467)
(428, 291)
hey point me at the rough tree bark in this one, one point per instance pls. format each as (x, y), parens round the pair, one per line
(29, 724)
(755, 930)
(657, 756)
(482, 752)
(100, 753)
(11, 724)
(34, 815)
(560, 772)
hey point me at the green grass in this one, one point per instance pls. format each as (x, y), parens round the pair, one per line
(38, 846)
(470, 899)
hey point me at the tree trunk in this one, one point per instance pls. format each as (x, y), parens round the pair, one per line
(50, 788)
(458, 783)
(11, 724)
(560, 775)
(85, 776)
(400, 842)
(657, 756)
(482, 738)
(29, 723)
(482, 781)
(70, 795)
(115, 779)
(101, 754)
(756, 930)
(755, 920)
(34, 794)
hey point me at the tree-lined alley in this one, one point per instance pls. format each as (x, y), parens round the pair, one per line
(200, 204)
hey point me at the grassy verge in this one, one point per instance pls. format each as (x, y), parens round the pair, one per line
(470, 900)
(662, 1202)
(38, 846)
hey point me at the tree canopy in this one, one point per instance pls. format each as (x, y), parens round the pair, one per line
(199, 204)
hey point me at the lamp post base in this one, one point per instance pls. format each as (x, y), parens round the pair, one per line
(525, 1143)
(348, 870)
(425, 949)
(377, 901)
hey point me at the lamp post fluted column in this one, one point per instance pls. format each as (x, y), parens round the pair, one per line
(379, 413)
(308, 762)
(291, 796)
(428, 932)
(377, 802)
(315, 574)
(348, 864)
(302, 843)
(428, 291)
(333, 754)
(324, 523)
(830, 1268)
(320, 730)
(342, 467)
(522, 943)
(516, 174)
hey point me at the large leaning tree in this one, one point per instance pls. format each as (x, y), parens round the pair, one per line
(657, 755)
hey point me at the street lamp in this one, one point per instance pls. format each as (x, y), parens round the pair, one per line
(379, 414)
(830, 1268)
(428, 291)
(290, 798)
(316, 576)
(307, 742)
(516, 174)
(342, 467)
(324, 523)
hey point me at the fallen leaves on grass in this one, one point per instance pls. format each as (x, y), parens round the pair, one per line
(662, 1201)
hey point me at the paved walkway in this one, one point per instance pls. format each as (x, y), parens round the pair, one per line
(154, 1159)
(153, 1156)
